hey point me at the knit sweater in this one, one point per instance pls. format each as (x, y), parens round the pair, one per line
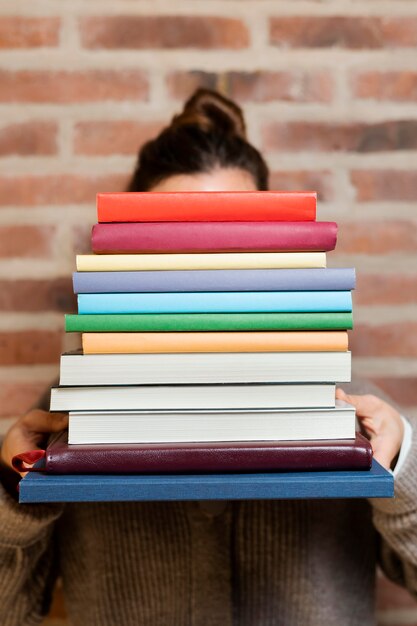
(243, 563)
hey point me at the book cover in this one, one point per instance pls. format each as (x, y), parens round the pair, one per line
(261, 341)
(215, 206)
(222, 367)
(189, 322)
(296, 456)
(169, 237)
(315, 279)
(232, 260)
(43, 487)
(216, 302)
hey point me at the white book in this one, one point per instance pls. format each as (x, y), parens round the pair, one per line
(226, 367)
(98, 427)
(192, 397)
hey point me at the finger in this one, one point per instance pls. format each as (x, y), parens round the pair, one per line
(364, 405)
(341, 395)
(369, 425)
(44, 422)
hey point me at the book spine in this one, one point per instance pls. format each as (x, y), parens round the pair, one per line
(376, 483)
(201, 207)
(123, 343)
(190, 237)
(207, 322)
(328, 279)
(260, 260)
(158, 458)
(212, 302)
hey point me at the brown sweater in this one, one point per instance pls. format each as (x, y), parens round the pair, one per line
(255, 563)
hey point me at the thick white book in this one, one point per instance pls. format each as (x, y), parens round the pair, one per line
(226, 367)
(191, 397)
(96, 427)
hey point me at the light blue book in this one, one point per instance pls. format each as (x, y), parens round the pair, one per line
(375, 483)
(216, 302)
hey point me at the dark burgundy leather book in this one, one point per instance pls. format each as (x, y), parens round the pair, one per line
(62, 458)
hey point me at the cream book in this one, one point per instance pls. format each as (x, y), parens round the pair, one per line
(244, 260)
(280, 425)
(204, 368)
(191, 397)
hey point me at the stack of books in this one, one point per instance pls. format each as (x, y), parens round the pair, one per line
(213, 337)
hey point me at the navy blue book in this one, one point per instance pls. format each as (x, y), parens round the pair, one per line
(39, 487)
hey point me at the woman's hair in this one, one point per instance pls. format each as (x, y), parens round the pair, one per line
(209, 133)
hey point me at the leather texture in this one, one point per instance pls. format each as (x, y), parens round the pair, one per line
(213, 236)
(347, 454)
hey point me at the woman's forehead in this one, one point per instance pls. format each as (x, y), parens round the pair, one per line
(221, 179)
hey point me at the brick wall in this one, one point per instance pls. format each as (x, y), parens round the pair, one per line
(330, 93)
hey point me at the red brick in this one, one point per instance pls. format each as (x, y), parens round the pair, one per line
(377, 237)
(55, 189)
(66, 87)
(81, 238)
(390, 86)
(38, 138)
(404, 392)
(28, 32)
(37, 295)
(30, 347)
(182, 84)
(141, 32)
(118, 137)
(344, 32)
(17, 398)
(304, 180)
(296, 86)
(331, 137)
(383, 185)
(386, 289)
(25, 241)
(392, 596)
(260, 86)
(386, 340)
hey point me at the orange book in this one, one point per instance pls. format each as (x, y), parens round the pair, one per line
(213, 206)
(295, 341)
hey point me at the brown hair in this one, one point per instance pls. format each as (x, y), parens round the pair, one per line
(210, 132)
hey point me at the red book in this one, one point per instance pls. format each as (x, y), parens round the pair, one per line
(213, 206)
(160, 237)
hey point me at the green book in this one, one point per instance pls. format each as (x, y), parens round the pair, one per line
(207, 322)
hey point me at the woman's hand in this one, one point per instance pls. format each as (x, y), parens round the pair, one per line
(29, 432)
(381, 422)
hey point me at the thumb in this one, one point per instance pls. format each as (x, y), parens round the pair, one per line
(341, 395)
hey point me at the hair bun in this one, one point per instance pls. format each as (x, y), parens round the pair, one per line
(211, 112)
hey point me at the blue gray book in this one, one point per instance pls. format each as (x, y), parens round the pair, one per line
(320, 279)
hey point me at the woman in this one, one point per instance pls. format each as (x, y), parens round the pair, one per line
(257, 563)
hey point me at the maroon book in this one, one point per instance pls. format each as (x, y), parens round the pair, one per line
(63, 458)
(170, 237)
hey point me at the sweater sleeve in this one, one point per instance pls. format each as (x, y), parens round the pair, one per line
(27, 560)
(396, 522)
